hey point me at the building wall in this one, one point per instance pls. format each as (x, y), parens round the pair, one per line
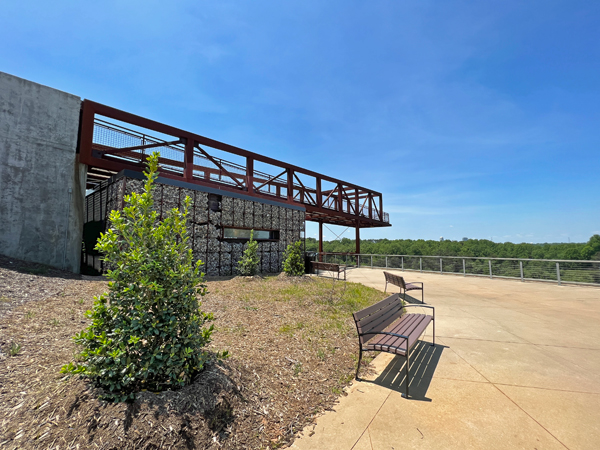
(205, 225)
(42, 186)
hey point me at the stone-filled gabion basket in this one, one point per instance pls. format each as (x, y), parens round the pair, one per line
(209, 214)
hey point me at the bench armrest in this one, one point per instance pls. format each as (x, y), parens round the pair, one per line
(416, 282)
(420, 306)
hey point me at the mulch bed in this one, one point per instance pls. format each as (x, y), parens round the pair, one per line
(292, 345)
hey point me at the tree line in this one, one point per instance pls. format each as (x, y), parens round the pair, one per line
(470, 248)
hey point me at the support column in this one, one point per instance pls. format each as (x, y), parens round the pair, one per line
(189, 159)
(319, 196)
(250, 175)
(320, 241)
(357, 236)
(290, 185)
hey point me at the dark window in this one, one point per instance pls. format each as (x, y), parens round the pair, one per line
(243, 234)
(214, 202)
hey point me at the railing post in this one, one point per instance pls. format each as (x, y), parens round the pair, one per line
(421, 264)
(386, 262)
(441, 268)
(521, 267)
(403, 264)
(490, 261)
(358, 261)
(371, 261)
(558, 272)
(464, 268)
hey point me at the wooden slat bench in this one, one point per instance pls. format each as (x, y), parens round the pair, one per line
(397, 280)
(330, 267)
(385, 327)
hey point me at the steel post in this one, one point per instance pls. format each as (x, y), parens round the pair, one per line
(403, 264)
(386, 262)
(558, 272)
(371, 261)
(421, 264)
(464, 268)
(441, 268)
(521, 267)
(490, 261)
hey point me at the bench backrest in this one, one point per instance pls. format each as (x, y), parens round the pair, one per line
(325, 266)
(396, 280)
(378, 317)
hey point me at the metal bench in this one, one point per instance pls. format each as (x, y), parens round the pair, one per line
(385, 327)
(330, 267)
(397, 280)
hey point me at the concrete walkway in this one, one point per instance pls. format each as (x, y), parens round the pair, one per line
(516, 366)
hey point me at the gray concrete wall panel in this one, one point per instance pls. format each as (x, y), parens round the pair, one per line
(41, 183)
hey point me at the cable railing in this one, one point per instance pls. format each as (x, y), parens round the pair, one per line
(549, 270)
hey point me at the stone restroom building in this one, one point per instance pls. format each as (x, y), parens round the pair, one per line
(218, 225)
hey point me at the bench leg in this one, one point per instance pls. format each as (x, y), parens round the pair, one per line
(385, 290)
(358, 366)
(407, 372)
(423, 294)
(433, 343)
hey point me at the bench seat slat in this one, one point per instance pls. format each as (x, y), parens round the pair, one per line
(412, 327)
(404, 326)
(411, 287)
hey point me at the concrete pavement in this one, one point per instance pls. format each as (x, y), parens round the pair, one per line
(516, 366)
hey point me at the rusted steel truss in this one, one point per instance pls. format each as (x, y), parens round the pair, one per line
(112, 140)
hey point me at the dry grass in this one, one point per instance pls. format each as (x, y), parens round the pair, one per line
(293, 347)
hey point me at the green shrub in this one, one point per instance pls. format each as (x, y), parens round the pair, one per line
(148, 331)
(248, 264)
(294, 261)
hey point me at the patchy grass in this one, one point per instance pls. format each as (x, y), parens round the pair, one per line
(293, 345)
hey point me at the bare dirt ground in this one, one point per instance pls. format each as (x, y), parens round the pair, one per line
(293, 350)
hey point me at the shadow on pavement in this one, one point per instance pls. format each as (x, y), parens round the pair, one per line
(423, 361)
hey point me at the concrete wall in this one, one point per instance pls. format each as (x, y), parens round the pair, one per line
(42, 186)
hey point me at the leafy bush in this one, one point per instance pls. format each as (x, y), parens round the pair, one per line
(294, 261)
(248, 264)
(148, 331)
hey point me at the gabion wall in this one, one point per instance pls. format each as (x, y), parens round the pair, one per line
(205, 225)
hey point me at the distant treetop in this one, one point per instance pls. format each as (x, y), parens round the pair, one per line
(471, 247)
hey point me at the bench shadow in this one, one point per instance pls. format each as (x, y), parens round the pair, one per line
(409, 299)
(423, 361)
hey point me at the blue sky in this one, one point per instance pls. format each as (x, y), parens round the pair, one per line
(474, 119)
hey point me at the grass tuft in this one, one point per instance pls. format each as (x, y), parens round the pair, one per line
(14, 349)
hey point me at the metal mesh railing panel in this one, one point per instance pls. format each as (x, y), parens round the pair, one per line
(452, 265)
(539, 270)
(431, 265)
(580, 272)
(411, 263)
(378, 261)
(506, 268)
(394, 262)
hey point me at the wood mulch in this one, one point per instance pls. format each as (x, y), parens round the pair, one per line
(292, 345)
